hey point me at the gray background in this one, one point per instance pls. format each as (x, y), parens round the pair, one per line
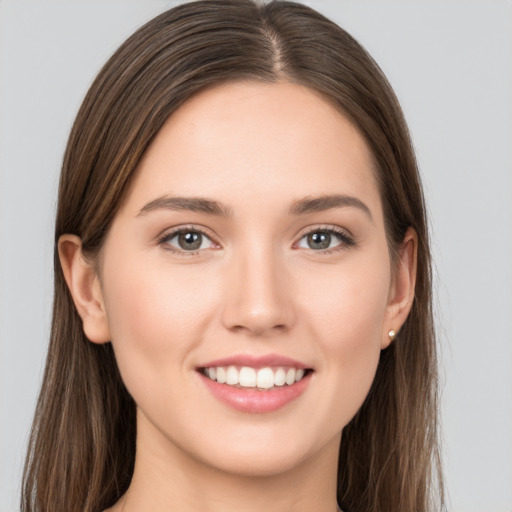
(451, 65)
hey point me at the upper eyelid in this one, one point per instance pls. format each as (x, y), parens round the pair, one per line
(325, 227)
(169, 232)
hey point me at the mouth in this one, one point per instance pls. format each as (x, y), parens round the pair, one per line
(256, 384)
(247, 377)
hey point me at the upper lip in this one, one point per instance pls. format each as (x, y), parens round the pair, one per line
(254, 361)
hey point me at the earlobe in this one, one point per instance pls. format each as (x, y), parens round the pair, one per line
(84, 286)
(401, 294)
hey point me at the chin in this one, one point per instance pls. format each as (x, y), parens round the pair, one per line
(261, 465)
(267, 453)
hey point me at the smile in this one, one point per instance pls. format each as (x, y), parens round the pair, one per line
(255, 378)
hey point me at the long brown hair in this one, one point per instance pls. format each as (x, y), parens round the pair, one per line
(82, 448)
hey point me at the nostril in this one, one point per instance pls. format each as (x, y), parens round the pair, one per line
(258, 330)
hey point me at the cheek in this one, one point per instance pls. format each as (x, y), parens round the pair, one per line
(347, 320)
(155, 317)
(348, 304)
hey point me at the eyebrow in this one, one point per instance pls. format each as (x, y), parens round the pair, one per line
(326, 202)
(190, 204)
(212, 207)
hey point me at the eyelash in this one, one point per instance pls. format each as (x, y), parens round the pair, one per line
(167, 236)
(346, 240)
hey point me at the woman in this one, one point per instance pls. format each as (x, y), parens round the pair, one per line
(242, 314)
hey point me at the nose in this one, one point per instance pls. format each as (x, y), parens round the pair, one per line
(259, 295)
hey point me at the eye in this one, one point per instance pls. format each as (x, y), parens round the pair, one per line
(186, 240)
(324, 240)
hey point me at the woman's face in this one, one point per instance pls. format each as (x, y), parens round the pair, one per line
(251, 246)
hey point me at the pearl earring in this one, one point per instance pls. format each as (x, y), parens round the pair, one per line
(392, 335)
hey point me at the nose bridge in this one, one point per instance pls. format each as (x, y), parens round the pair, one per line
(258, 293)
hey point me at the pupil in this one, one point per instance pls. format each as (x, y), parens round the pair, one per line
(319, 240)
(190, 240)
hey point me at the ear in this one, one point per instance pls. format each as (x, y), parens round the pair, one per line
(84, 286)
(401, 293)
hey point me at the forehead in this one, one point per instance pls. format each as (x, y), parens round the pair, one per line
(244, 139)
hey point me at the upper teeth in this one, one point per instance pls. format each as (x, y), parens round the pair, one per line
(247, 377)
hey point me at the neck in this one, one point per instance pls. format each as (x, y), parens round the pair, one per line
(166, 478)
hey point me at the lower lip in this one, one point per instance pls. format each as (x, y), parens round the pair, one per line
(254, 401)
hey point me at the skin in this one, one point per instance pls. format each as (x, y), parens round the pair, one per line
(255, 287)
